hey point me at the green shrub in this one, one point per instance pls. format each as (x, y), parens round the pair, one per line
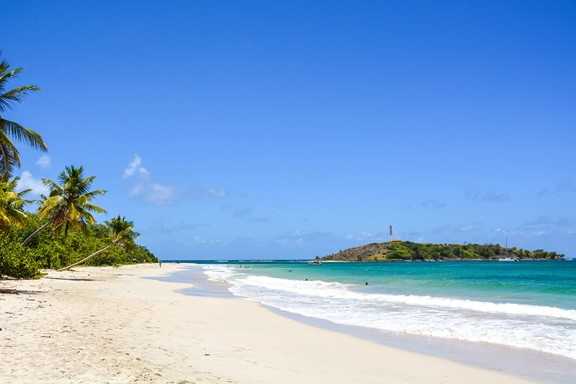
(16, 261)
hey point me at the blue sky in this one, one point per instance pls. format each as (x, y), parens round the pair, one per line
(295, 129)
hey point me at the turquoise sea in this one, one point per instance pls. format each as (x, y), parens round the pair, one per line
(526, 306)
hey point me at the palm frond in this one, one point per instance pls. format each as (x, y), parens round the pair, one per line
(11, 204)
(69, 204)
(94, 208)
(16, 95)
(54, 188)
(4, 78)
(9, 158)
(93, 194)
(25, 135)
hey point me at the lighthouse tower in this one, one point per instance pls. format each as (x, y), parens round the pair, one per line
(392, 237)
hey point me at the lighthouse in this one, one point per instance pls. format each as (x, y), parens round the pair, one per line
(392, 238)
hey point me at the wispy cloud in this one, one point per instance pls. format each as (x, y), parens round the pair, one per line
(550, 222)
(135, 168)
(428, 204)
(44, 161)
(367, 237)
(136, 190)
(217, 192)
(144, 186)
(245, 214)
(166, 226)
(545, 229)
(564, 186)
(160, 194)
(487, 197)
(242, 213)
(27, 181)
(457, 228)
(150, 191)
(433, 204)
(300, 238)
(206, 192)
(200, 241)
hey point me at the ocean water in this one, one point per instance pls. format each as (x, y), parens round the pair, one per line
(528, 305)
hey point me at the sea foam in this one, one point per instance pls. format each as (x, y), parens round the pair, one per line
(540, 328)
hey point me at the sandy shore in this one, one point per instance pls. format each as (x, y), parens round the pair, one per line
(110, 325)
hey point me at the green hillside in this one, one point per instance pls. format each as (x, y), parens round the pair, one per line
(409, 251)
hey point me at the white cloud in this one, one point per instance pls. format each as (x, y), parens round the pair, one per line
(136, 190)
(218, 192)
(458, 228)
(488, 197)
(27, 181)
(135, 168)
(145, 188)
(160, 194)
(166, 226)
(44, 161)
(299, 238)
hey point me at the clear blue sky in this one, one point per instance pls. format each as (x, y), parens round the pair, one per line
(295, 129)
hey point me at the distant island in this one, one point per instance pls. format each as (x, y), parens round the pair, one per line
(409, 251)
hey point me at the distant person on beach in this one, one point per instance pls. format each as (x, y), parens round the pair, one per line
(160, 263)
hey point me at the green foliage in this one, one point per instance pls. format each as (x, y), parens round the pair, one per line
(69, 205)
(17, 261)
(9, 130)
(47, 251)
(11, 204)
(409, 251)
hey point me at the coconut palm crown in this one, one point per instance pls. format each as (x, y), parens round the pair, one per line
(121, 234)
(11, 204)
(69, 203)
(9, 155)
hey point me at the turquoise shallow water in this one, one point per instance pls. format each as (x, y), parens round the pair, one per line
(527, 306)
(548, 283)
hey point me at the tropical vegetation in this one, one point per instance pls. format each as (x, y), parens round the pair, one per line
(11, 204)
(409, 251)
(121, 234)
(63, 232)
(69, 204)
(47, 251)
(9, 155)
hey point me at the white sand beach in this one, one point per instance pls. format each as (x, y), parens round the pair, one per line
(111, 325)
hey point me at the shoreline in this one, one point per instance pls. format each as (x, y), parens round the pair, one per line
(531, 365)
(122, 325)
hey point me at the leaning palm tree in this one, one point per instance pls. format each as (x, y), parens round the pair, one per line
(11, 204)
(69, 203)
(121, 234)
(9, 155)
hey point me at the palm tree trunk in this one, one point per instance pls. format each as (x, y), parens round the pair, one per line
(36, 232)
(86, 258)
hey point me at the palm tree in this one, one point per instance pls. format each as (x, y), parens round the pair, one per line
(121, 234)
(9, 155)
(11, 204)
(69, 204)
